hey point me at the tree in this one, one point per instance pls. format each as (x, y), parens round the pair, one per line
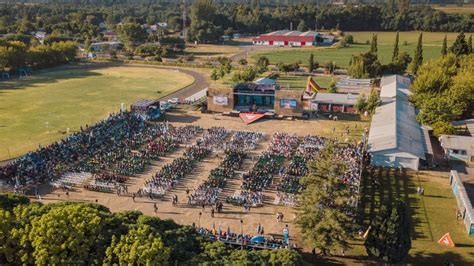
(302, 26)
(246, 75)
(373, 101)
(262, 64)
(243, 61)
(444, 48)
(460, 46)
(469, 44)
(361, 104)
(311, 63)
(7, 223)
(87, 45)
(203, 28)
(373, 44)
(8, 201)
(141, 246)
(365, 65)
(395, 48)
(322, 218)
(418, 56)
(332, 86)
(131, 34)
(214, 74)
(389, 236)
(66, 234)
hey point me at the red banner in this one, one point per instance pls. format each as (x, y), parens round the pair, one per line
(250, 117)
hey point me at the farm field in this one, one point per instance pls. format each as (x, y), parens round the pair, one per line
(432, 42)
(205, 51)
(455, 9)
(39, 109)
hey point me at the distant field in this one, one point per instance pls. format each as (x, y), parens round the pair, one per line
(40, 108)
(299, 82)
(204, 51)
(455, 9)
(432, 42)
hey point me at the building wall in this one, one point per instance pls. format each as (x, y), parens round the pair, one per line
(291, 95)
(215, 97)
(394, 159)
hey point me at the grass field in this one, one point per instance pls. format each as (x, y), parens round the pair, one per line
(433, 214)
(299, 82)
(39, 109)
(432, 42)
(455, 9)
(206, 51)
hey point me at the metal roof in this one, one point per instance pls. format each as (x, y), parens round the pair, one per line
(394, 127)
(336, 98)
(394, 85)
(458, 143)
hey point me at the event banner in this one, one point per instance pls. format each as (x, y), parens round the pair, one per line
(288, 103)
(220, 100)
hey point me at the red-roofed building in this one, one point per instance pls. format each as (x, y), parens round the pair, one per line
(294, 38)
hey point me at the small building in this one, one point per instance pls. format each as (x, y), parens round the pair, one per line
(148, 109)
(105, 46)
(110, 35)
(396, 138)
(459, 148)
(334, 102)
(294, 38)
(464, 205)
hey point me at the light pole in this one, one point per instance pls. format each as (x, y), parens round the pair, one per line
(199, 220)
(241, 234)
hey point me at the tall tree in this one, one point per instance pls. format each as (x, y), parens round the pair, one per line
(141, 246)
(323, 218)
(311, 63)
(203, 28)
(373, 101)
(395, 48)
(373, 44)
(460, 46)
(418, 56)
(389, 237)
(469, 44)
(444, 48)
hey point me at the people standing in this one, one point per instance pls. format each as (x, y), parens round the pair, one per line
(286, 235)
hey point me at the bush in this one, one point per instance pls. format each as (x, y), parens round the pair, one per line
(349, 39)
(8, 201)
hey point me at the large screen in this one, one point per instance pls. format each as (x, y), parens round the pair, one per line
(288, 103)
(220, 100)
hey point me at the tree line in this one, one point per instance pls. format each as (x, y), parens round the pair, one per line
(208, 20)
(89, 234)
(16, 55)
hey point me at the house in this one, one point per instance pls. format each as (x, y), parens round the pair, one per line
(458, 147)
(110, 35)
(293, 38)
(334, 102)
(105, 46)
(396, 139)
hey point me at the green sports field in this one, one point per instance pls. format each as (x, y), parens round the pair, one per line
(432, 42)
(40, 108)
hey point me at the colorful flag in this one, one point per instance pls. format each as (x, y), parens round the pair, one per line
(312, 85)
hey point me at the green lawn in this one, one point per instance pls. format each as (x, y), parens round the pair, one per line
(433, 214)
(39, 109)
(342, 56)
(299, 82)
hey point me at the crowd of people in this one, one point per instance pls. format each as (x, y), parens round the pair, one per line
(244, 240)
(235, 152)
(50, 162)
(172, 173)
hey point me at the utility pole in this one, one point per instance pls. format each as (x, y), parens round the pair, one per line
(185, 30)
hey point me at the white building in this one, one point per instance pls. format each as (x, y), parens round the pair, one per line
(458, 147)
(396, 139)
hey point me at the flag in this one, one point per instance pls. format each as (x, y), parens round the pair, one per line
(312, 85)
